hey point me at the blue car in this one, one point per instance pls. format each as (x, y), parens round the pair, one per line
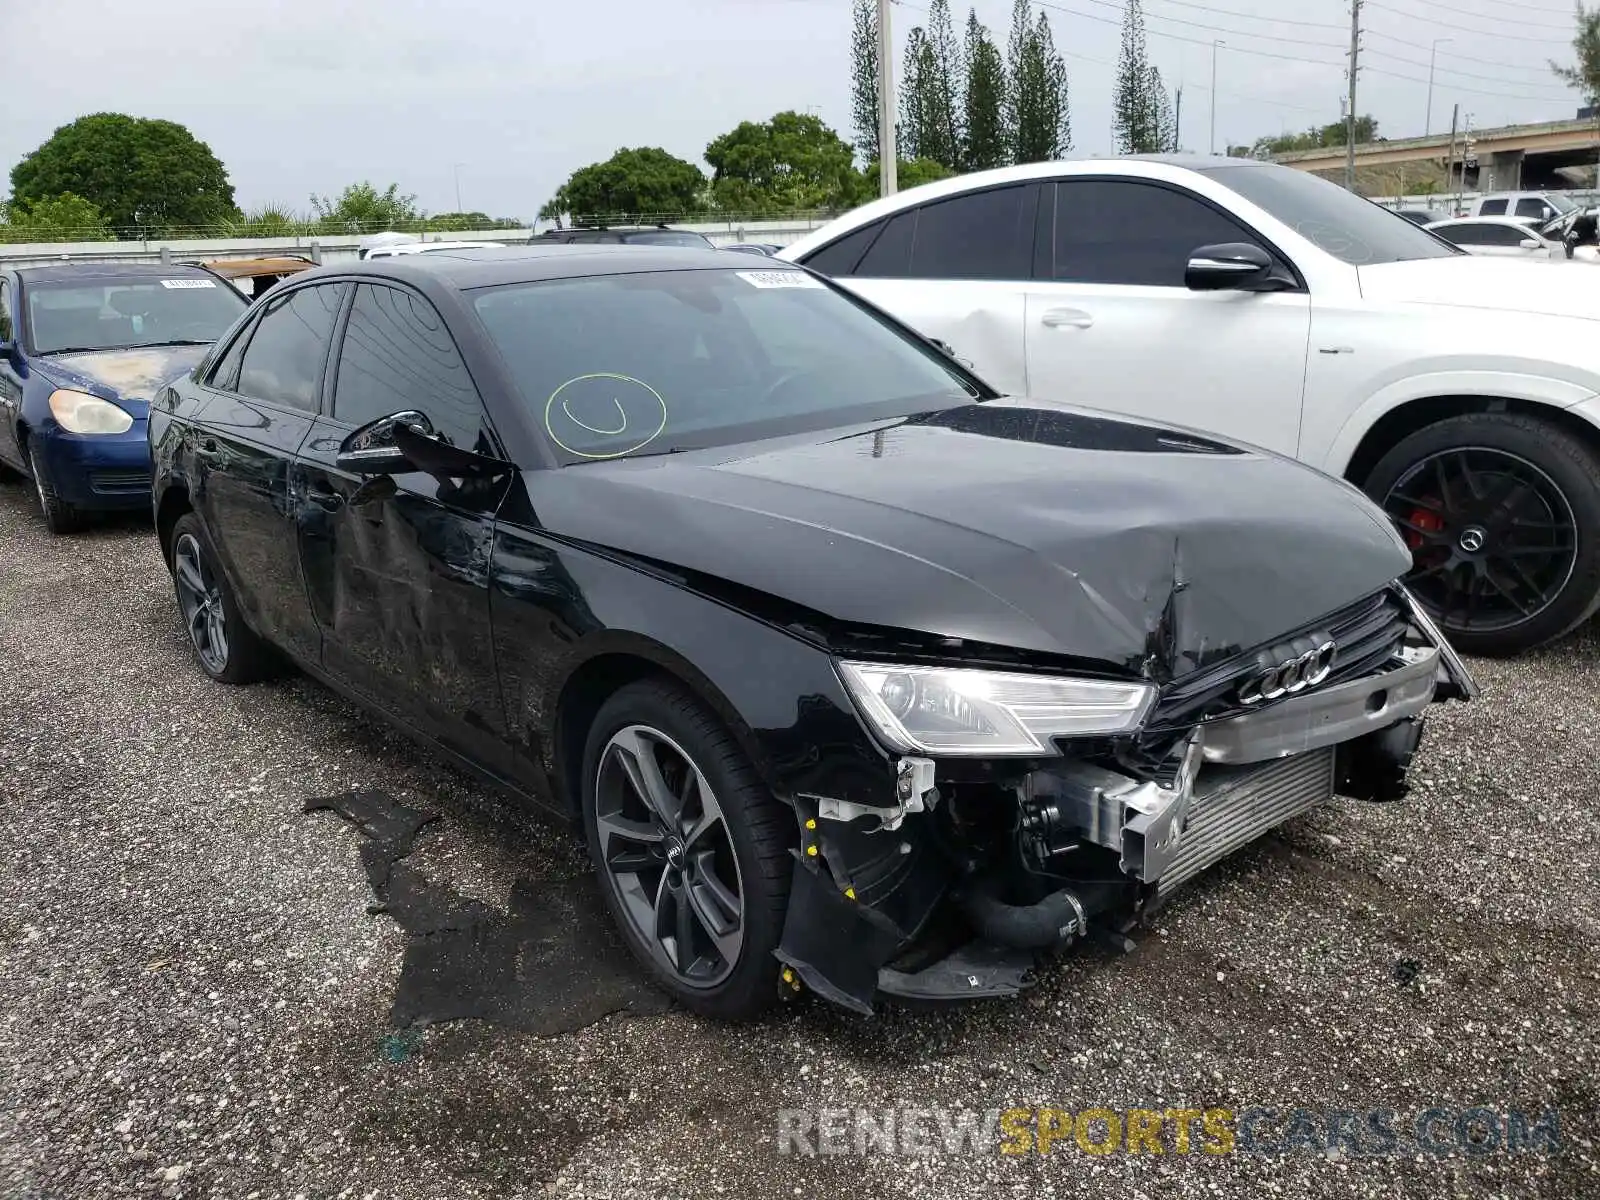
(83, 348)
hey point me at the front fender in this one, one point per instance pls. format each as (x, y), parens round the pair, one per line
(1497, 385)
(558, 609)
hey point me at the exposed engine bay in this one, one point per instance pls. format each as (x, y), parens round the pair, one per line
(976, 870)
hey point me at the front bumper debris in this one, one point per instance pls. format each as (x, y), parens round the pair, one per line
(977, 871)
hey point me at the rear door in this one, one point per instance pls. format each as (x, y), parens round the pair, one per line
(397, 567)
(955, 269)
(10, 380)
(1111, 324)
(264, 393)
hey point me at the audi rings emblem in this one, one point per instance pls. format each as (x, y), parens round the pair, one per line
(1290, 676)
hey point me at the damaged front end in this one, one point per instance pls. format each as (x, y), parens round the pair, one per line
(1028, 812)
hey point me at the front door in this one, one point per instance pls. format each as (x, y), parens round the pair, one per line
(397, 567)
(264, 395)
(1111, 325)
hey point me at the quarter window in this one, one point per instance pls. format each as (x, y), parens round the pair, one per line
(890, 255)
(397, 356)
(1109, 231)
(839, 258)
(284, 359)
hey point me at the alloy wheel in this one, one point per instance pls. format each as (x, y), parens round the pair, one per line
(668, 855)
(1493, 540)
(200, 599)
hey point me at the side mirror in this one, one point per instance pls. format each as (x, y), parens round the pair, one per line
(1227, 265)
(371, 450)
(406, 441)
(1530, 243)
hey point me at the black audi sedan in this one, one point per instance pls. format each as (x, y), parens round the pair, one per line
(856, 675)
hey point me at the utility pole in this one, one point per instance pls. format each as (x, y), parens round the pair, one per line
(1450, 163)
(1350, 113)
(1214, 44)
(888, 155)
(1177, 122)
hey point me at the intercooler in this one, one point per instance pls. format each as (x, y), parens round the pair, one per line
(1232, 806)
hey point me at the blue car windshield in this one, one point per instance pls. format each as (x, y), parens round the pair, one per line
(612, 366)
(119, 314)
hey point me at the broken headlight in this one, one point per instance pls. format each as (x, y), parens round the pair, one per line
(942, 710)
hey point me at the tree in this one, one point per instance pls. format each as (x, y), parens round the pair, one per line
(1317, 137)
(1041, 125)
(944, 79)
(645, 180)
(362, 208)
(137, 172)
(916, 120)
(908, 173)
(1135, 107)
(864, 79)
(63, 218)
(792, 162)
(985, 138)
(1166, 122)
(1585, 76)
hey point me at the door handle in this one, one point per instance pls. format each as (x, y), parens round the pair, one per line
(1068, 318)
(326, 501)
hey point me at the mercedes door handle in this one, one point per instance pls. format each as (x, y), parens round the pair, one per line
(1066, 318)
(326, 501)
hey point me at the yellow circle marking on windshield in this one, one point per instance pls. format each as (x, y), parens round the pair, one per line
(550, 404)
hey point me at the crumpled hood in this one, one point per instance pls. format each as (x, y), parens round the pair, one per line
(130, 377)
(1015, 523)
(1544, 287)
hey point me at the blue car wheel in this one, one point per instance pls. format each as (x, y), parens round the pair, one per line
(59, 516)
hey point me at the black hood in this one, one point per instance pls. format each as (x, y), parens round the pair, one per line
(1013, 523)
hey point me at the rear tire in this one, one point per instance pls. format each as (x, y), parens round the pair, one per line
(59, 516)
(1526, 494)
(225, 647)
(714, 840)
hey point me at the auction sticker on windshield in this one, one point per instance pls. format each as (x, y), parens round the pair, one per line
(778, 279)
(188, 283)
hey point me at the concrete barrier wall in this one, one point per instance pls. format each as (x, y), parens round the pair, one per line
(336, 248)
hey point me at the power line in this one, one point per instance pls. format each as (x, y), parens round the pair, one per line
(1200, 87)
(1412, 62)
(1269, 37)
(1457, 87)
(1175, 37)
(1223, 12)
(1487, 62)
(1467, 12)
(1433, 23)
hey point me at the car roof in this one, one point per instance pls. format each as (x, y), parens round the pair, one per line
(86, 272)
(491, 266)
(1510, 222)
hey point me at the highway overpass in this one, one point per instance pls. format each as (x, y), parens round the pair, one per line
(1507, 157)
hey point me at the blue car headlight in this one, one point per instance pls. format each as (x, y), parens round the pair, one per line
(79, 412)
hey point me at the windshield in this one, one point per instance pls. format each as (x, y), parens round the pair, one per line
(1351, 229)
(120, 314)
(669, 237)
(620, 365)
(1560, 203)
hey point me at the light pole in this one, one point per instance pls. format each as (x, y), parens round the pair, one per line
(1214, 44)
(1433, 55)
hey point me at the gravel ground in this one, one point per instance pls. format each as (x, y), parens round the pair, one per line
(194, 999)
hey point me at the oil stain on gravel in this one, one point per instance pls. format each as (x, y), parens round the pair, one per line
(548, 964)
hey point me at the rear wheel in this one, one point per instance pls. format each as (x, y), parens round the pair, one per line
(1502, 514)
(59, 516)
(691, 850)
(226, 648)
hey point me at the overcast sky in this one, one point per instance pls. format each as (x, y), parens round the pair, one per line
(303, 96)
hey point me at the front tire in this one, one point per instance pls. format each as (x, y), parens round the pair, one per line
(224, 645)
(1502, 513)
(59, 516)
(692, 852)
